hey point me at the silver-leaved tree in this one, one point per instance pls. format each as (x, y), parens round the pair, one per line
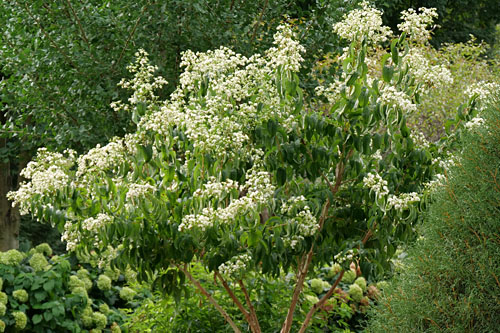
(233, 172)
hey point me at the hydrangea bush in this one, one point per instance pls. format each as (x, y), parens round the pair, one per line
(39, 293)
(235, 173)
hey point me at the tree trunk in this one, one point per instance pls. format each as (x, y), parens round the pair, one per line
(9, 216)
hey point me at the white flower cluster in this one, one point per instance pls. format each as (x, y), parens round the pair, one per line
(332, 92)
(306, 222)
(376, 183)
(71, 236)
(419, 139)
(144, 82)
(474, 123)
(429, 76)
(349, 256)
(288, 51)
(415, 24)
(292, 203)
(445, 163)
(484, 91)
(307, 225)
(93, 224)
(259, 191)
(139, 190)
(100, 159)
(403, 201)
(438, 180)
(47, 173)
(236, 266)
(360, 22)
(390, 96)
(218, 121)
(216, 189)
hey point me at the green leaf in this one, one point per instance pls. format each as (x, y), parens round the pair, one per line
(145, 153)
(36, 319)
(387, 73)
(394, 52)
(49, 285)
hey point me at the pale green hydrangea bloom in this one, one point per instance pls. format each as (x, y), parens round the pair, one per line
(104, 308)
(2, 326)
(355, 292)
(1, 283)
(3, 298)
(80, 291)
(104, 282)
(21, 295)
(349, 276)
(75, 282)
(100, 320)
(44, 248)
(361, 282)
(115, 328)
(21, 319)
(12, 257)
(87, 317)
(127, 293)
(38, 262)
(3, 309)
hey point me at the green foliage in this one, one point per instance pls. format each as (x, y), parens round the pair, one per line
(458, 18)
(234, 173)
(450, 278)
(47, 294)
(469, 68)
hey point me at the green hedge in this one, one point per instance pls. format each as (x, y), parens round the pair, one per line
(451, 280)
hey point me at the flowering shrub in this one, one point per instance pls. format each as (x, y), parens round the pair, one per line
(48, 293)
(233, 172)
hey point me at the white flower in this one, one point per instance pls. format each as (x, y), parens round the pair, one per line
(419, 139)
(139, 190)
(474, 123)
(236, 266)
(403, 201)
(376, 184)
(360, 22)
(389, 95)
(429, 76)
(415, 24)
(484, 91)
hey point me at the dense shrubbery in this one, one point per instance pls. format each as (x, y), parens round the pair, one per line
(40, 292)
(235, 184)
(345, 310)
(450, 280)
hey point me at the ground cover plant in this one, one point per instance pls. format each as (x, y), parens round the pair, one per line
(41, 292)
(236, 174)
(450, 280)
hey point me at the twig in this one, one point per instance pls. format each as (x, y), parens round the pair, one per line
(130, 35)
(210, 298)
(250, 306)
(256, 26)
(234, 298)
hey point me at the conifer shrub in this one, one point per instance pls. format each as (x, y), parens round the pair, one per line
(450, 282)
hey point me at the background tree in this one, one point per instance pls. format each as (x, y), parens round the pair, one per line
(457, 18)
